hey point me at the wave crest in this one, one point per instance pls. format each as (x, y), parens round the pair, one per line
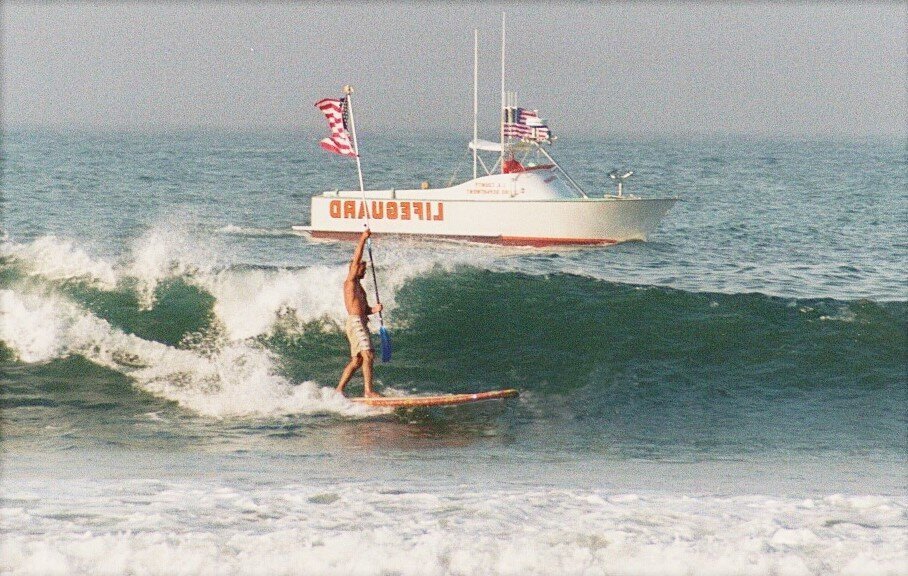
(237, 379)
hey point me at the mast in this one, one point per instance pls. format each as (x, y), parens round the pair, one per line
(475, 96)
(501, 110)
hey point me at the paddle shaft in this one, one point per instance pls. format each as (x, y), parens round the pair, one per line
(381, 321)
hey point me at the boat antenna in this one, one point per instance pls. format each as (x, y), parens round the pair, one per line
(501, 128)
(382, 331)
(475, 96)
(619, 176)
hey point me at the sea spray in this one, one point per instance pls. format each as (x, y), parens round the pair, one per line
(247, 300)
(167, 250)
(57, 258)
(30, 326)
(238, 379)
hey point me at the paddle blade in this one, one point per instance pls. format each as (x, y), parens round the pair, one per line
(385, 344)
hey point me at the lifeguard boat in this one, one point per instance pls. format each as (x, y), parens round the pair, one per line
(525, 198)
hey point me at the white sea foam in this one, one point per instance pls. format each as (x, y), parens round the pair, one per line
(59, 259)
(248, 302)
(165, 251)
(238, 379)
(844, 314)
(30, 325)
(170, 250)
(216, 528)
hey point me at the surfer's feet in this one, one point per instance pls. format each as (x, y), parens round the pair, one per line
(371, 394)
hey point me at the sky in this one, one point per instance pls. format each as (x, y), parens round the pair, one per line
(798, 69)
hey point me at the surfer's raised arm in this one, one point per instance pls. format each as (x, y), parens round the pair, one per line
(358, 254)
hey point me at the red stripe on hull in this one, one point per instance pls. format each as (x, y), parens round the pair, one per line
(499, 240)
(542, 242)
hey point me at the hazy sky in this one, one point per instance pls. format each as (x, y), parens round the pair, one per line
(802, 69)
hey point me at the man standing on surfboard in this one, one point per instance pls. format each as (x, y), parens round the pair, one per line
(362, 354)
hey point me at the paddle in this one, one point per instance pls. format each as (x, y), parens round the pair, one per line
(382, 331)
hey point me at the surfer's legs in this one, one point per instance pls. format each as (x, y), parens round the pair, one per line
(351, 367)
(361, 354)
(368, 358)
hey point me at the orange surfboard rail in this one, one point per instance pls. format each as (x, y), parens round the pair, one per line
(440, 400)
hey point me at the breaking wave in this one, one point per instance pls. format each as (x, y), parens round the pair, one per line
(222, 339)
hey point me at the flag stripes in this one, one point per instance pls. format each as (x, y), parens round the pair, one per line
(525, 124)
(335, 110)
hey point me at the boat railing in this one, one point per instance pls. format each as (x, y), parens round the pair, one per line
(570, 181)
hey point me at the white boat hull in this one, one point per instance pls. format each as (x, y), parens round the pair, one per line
(525, 222)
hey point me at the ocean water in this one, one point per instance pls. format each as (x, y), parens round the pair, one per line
(729, 397)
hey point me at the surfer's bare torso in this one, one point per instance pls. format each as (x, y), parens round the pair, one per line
(355, 295)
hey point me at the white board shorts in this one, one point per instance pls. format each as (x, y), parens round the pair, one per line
(358, 336)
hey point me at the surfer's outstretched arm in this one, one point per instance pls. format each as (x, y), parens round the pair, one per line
(358, 254)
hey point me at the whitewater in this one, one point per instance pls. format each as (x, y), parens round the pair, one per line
(727, 398)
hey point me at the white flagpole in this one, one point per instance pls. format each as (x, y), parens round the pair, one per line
(382, 331)
(475, 96)
(348, 91)
(501, 111)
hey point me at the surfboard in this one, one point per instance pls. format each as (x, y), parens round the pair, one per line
(440, 400)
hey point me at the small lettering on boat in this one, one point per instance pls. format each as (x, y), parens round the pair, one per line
(387, 210)
(502, 191)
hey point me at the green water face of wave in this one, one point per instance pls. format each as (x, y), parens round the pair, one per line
(470, 328)
(561, 332)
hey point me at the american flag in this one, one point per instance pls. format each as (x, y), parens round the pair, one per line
(524, 115)
(525, 124)
(335, 110)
